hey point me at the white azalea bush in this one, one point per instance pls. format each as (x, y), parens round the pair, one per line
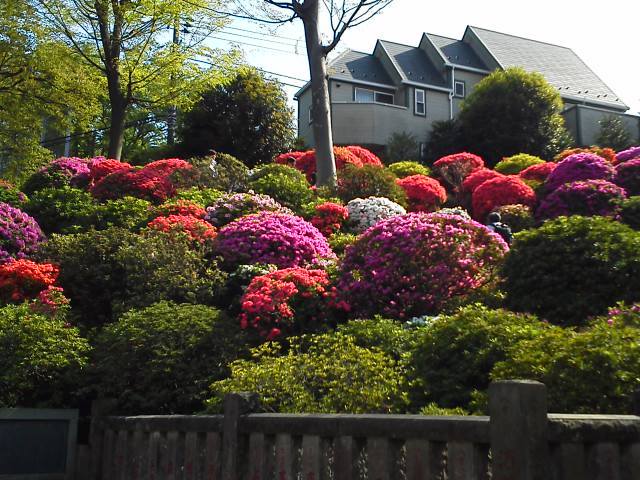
(366, 212)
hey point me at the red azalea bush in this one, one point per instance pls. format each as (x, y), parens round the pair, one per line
(411, 265)
(307, 162)
(607, 153)
(24, 279)
(539, 172)
(180, 207)
(367, 157)
(288, 158)
(425, 194)
(579, 166)
(506, 190)
(477, 178)
(455, 168)
(329, 217)
(627, 176)
(196, 228)
(100, 168)
(288, 301)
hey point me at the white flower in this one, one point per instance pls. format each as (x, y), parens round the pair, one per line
(365, 213)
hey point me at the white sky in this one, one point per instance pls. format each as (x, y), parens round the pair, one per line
(603, 34)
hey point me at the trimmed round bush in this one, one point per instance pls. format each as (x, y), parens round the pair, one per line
(572, 268)
(518, 217)
(222, 172)
(516, 163)
(162, 359)
(272, 238)
(538, 172)
(101, 167)
(62, 210)
(365, 213)
(455, 168)
(10, 194)
(282, 183)
(630, 212)
(340, 241)
(477, 178)
(367, 157)
(411, 265)
(229, 207)
(408, 168)
(179, 207)
(24, 279)
(579, 166)
(126, 212)
(607, 153)
(424, 194)
(39, 355)
(627, 176)
(628, 154)
(500, 191)
(329, 217)
(195, 228)
(343, 157)
(202, 196)
(64, 171)
(20, 234)
(461, 212)
(369, 181)
(288, 158)
(587, 198)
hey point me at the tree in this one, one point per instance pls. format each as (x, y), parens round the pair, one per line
(246, 117)
(613, 133)
(512, 111)
(400, 147)
(444, 139)
(340, 15)
(126, 43)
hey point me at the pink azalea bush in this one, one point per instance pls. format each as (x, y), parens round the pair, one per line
(587, 198)
(627, 176)
(628, 154)
(411, 265)
(272, 238)
(20, 234)
(505, 190)
(64, 171)
(579, 166)
(235, 205)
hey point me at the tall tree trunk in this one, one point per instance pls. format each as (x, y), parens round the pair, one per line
(320, 105)
(116, 130)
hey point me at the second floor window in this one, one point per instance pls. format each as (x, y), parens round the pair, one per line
(420, 107)
(460, 89)
(365, 95)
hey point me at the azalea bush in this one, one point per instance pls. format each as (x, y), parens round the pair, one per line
(407, 168)
(413, 264)
(455, 168)
(62, 210)
(477, 178)
(607, 153)
(516, 163)
(369, 181)
(65, 171)
(288, 158)
(343, 157)
(579, 166)
(628, 154)
(517, 217)
(229, 207)
(204, 197)
(180, 207)
(10, 194)
(329, 217)
(340, 241)
(538, 172)
(500, 191)
(572, 268)
(630, 212)
(627, 176)
(587, 198)
(194, 227)
(272, 237)
(126, 212)
(424, 194)
(367, 157)
(219, 171)
(100, 168)
(285, 302)
(365, 213)
(20, 234)
(284, 184)
(24, 279)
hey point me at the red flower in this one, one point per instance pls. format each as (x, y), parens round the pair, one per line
(477, 178)
(181, 207)
(366, 156)
(199, 230)
(425, 194)
(329, 217)
(538, 172)
(307, 162)
(24, 279)
(101, 168)
(505, 190)
(288, 158)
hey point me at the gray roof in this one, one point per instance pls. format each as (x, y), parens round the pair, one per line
(457, 52)
(351, 65)
(561, 67)
(413, 64)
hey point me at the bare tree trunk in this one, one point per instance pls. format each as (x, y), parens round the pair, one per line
(320, 107)
(116, 130)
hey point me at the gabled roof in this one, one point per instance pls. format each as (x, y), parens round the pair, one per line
(457, 52)
(561, 67)
(358, 66)
(413, 64)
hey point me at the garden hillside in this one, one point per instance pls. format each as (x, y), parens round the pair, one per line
(404, 288)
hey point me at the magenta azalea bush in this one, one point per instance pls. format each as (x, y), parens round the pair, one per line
(627, 176)
(579, 166)
(586, 198)
(628, 154)
(61, 172)
(20, 234)
(412, 265)
(272, 238)
(232, 206)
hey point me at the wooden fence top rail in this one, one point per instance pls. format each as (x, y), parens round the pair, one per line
(166, 423)
(593, 428)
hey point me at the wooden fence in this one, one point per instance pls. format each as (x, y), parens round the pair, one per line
(519, 441)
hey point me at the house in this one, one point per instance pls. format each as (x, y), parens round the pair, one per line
(403, 88)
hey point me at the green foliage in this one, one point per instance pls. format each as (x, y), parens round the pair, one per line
(247, 117)
(613, 133)
(445, 139)
(285, 184)
(516, 163)
(62, 210)
(324, 373)
(571, 268)
(454, 354)
(340, 241)
(512, 111)
(220, 171)
(127, 212)
(204, 197)
(162, 359)
(434, 409)
(389, 336)
(593, 371)
(38, 356)
(401, 146)
(369, 181)
(11, 195)
(630, 212)
(518, 217)
(406, 168)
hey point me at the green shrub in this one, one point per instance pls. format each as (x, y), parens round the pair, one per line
(340, 241)
(324, 373)
(284, 184)
(516, 163)
(369, 181)
(518, 217)
(445, 139)
(221, 172)
(127, 212)
(10, 194)
(162, 359)
(38, 356)
(454, 354)
(630, 212)
(62, 210)
(204, 197)
(407, 168)
(572, 268)
(390, 336)
(400, 146)
(594, 371)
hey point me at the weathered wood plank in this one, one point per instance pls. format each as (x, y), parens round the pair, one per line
(136, 456)
(212, 456)
(461, 461)
(121, 456)
(190, 456)
(344, 449)
(631, 462)
(604, 461)
(481, 461)
(311, 457)
(568, 461)
(108, 446)
(257, 461)
(418, 459)
(152, 456)
(170, 471)
(378, 458)
(166, 423)
(284, 457)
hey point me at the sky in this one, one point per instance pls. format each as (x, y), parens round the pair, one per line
(603, 34)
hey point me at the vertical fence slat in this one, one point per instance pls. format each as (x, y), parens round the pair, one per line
(256, 456)
(190, 456)
(107, 454)
(121, 456)
(172, 456)
(604, 461)
(212, 456)
(569, 461)
(284, 457)
(481, 461)
(631, 462)
(135, 455)
(460, 461)
(417, 458)
(378, 458)
(344, 452)
(152, 456)
(311, 457)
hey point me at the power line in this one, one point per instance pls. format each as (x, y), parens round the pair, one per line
(258, 39)
(264, 71)
(235, 15)
(270, 35)
(258, 46)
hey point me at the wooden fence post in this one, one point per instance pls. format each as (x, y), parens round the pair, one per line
(100, 408)
(234, 405)
(518, 425)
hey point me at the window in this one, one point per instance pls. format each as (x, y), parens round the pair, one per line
(364, 95)
(419, 106)
(423, 150)
(459, 89)
(310, 116)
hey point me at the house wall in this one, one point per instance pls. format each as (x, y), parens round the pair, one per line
(590, 126)
(570, 115)
(304, 127)
(470, 79)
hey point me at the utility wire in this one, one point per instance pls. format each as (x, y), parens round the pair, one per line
(270, 40)
(264, 71)
(270, 35)
(254, 45)
(235, 15)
